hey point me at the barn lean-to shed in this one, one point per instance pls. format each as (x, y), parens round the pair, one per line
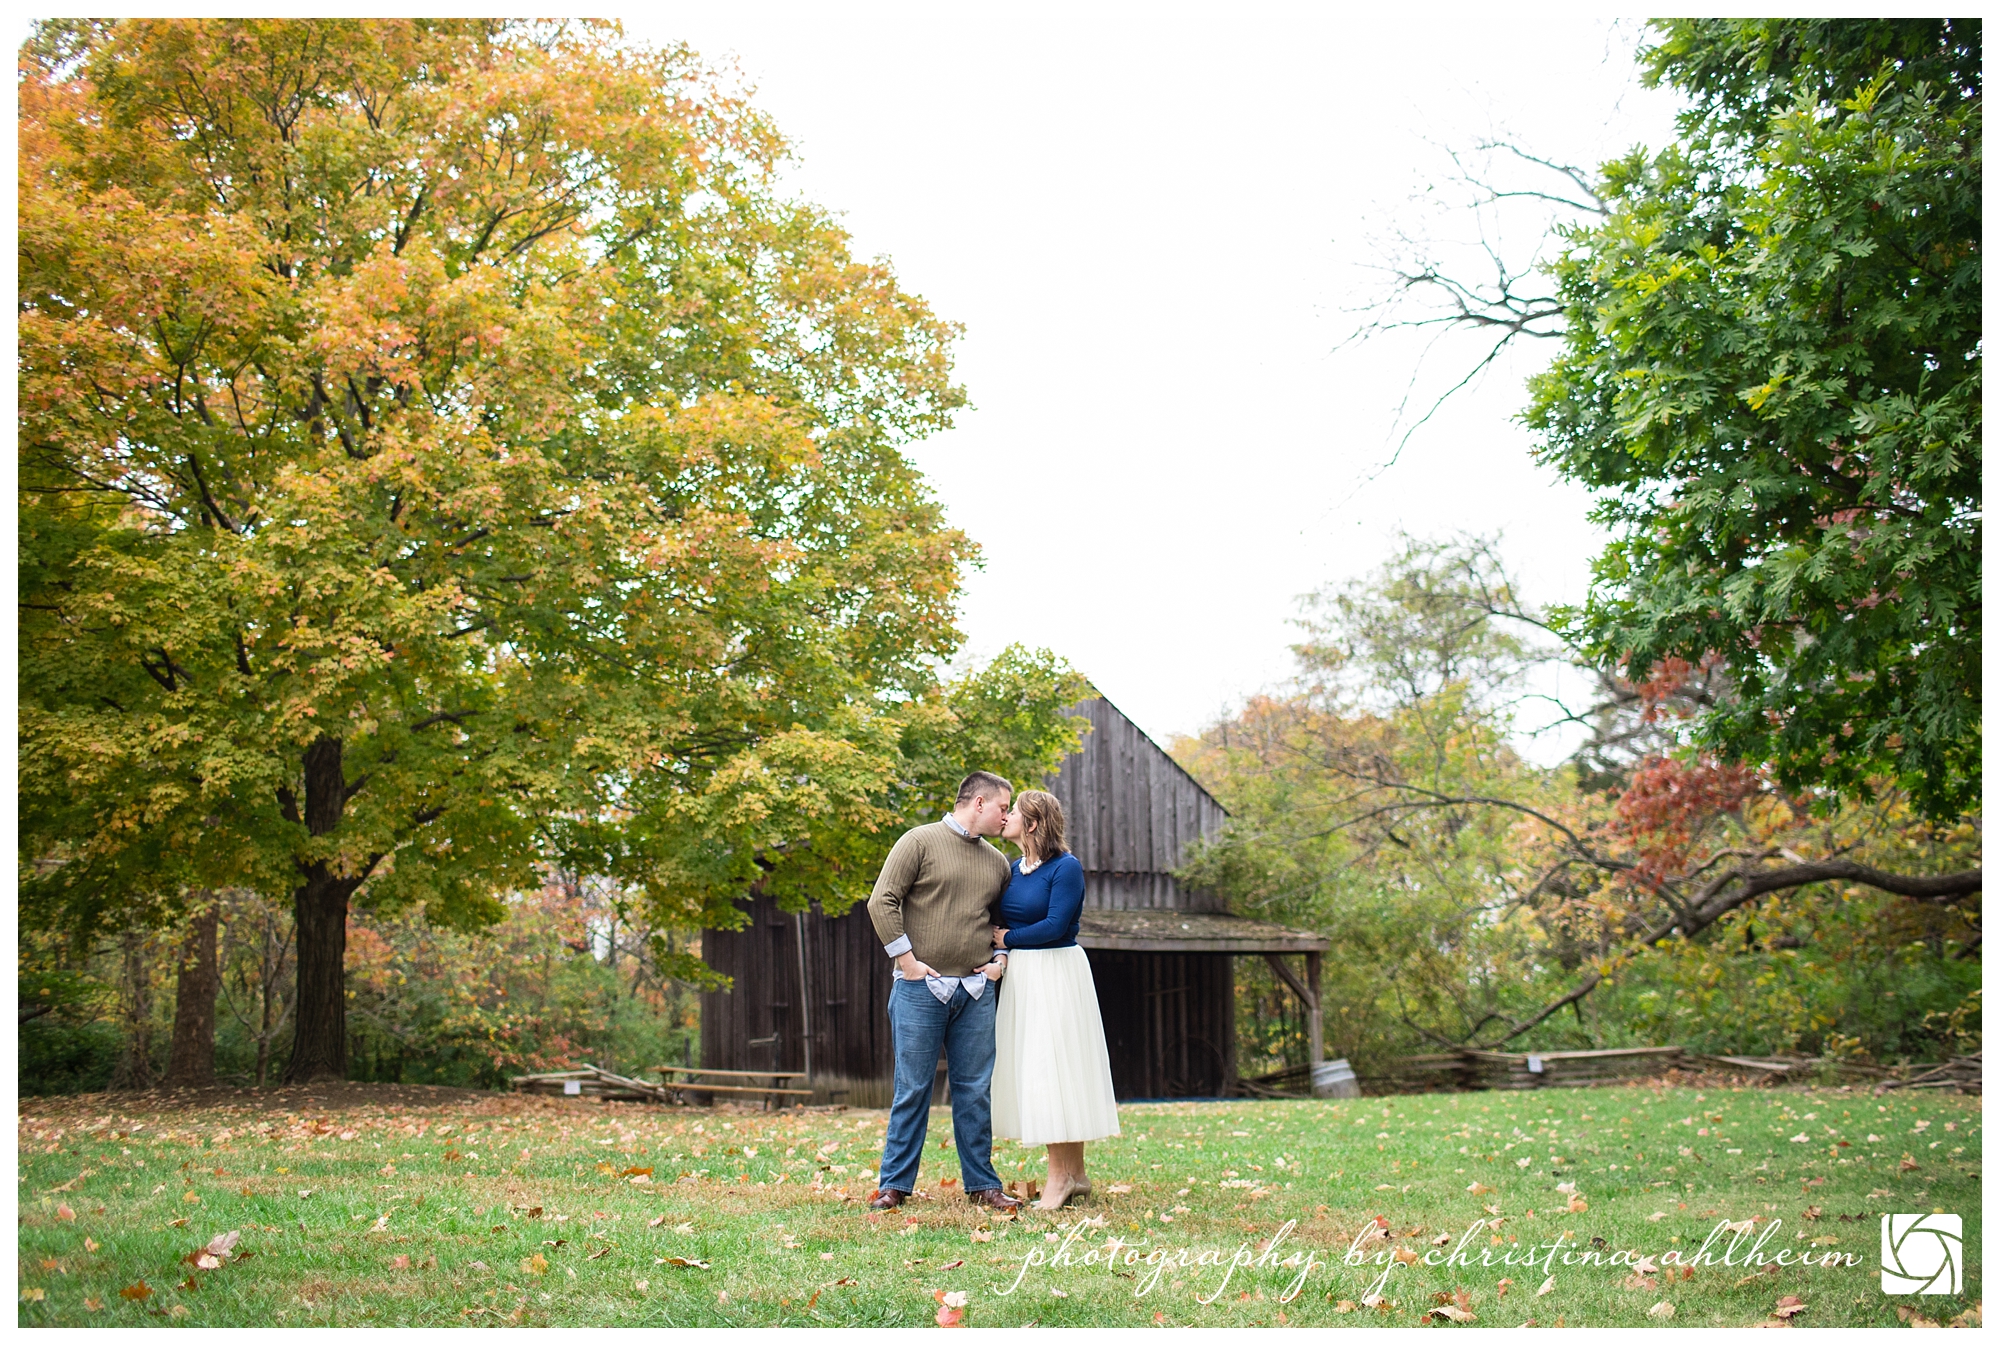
(810, 991)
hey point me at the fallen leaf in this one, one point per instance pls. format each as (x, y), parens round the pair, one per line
(1454, 1313)
(1656, 1217)
(982, 1236)
(1647, 1267)
(1405, 1256)
(599, 1253)
(1661, 1310)
(952, 1266)
(1479, 1189)
(136, 1292)
(1811, 1212)
(34, 1294)
(1506, 1284)
(535, 1264)
(92, 1304)
(1441, 1241)
(637, 1173)
(63, 1212)
(1578, 1205)
(1119, 1188)
(1547, 1286)
(1344, 1306)
(1788, 1306)
(694, 1262)
(400, 1262)
(91, 1245)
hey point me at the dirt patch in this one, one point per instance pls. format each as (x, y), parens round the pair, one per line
(344, 1095)
(326, 1096)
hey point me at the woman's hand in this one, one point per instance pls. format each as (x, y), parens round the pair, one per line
(994, 970)
(999, 936)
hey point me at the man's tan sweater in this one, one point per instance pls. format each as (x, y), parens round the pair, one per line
(941, 889)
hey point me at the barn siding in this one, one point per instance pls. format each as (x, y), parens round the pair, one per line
(1169, 1022)
(1132, 808)
(849, 978)
(1133, 813)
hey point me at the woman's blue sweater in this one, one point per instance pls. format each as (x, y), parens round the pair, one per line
(1041, 910)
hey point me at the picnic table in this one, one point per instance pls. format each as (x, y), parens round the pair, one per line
(703, 1080)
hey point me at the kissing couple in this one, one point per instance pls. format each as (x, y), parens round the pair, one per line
(988, 971)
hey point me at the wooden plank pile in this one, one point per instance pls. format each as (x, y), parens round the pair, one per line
(1291, 1082)
(1450, 1071)
(589, 1081)
(1436, 1072)
(1568, 1070)
(1962, 1073)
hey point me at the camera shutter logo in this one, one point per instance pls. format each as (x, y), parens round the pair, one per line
(1923, 1255)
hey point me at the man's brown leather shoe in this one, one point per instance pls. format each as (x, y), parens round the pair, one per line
(888, 1199)
(994, 1197)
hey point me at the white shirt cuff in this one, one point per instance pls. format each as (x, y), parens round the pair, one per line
(899, 948)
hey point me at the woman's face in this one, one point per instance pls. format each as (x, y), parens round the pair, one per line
(1015, 829)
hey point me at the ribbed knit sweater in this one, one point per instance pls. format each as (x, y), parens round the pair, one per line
(942, 890)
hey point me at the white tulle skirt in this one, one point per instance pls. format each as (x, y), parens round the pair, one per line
(1051, 1071)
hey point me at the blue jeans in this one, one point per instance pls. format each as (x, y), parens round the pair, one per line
(921, 1026)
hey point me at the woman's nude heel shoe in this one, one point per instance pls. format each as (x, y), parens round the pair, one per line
(1061, 1195)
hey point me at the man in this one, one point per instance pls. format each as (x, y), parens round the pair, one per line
(933, 909)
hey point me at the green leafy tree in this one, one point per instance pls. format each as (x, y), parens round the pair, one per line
(1771, 373)
(1480, 899)
(444, 453)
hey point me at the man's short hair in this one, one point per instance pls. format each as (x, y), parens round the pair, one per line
(983, 783)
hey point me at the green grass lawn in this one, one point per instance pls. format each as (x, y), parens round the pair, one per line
(490, 1210)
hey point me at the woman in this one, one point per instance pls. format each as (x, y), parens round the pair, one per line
(1051, 1072)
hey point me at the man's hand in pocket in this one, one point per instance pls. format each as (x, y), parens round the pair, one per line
(913, 968)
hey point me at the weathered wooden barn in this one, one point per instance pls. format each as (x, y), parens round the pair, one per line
(809, 992)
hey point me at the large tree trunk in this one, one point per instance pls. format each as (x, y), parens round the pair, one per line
(135, 1060)
(319, 914)
(192, 1061)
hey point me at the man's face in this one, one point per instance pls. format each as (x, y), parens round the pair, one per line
(988, 815)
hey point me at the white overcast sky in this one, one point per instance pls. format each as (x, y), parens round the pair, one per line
(1151, 223)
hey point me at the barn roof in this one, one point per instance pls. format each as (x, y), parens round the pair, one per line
(1159, 931)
